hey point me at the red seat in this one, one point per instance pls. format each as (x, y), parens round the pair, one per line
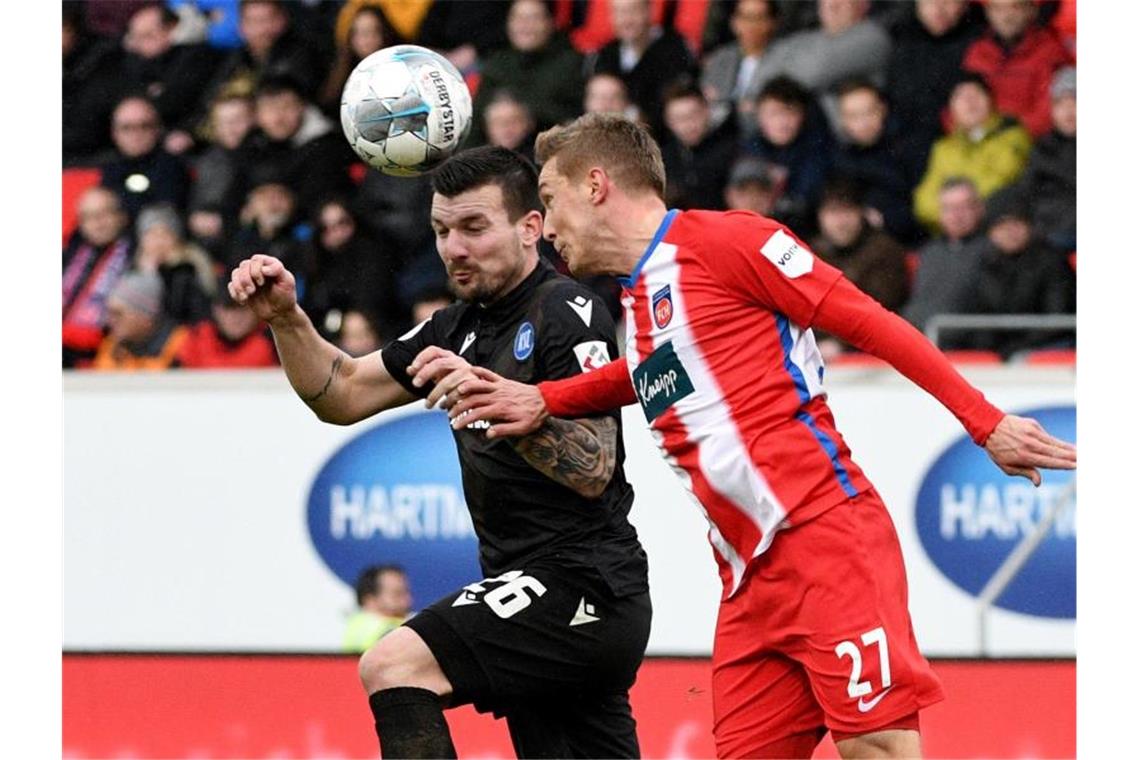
(76, 181)
(1052, 356)
(973, 357)
(1073, 260)
(357, 171)
(912, 260)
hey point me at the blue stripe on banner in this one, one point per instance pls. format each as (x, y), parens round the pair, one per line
(805, 396)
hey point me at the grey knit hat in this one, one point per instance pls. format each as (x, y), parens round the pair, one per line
(139, 291)
(161, 214)
(1064, 83)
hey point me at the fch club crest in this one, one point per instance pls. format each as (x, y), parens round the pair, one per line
(662, 307)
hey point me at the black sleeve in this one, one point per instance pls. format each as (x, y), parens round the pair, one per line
(577, 333)
(398, 354)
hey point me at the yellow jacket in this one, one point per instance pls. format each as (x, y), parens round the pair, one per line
(992, 158)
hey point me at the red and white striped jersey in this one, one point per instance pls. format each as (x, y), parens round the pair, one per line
(730, 379)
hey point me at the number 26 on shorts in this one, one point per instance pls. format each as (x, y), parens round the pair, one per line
(857, 688)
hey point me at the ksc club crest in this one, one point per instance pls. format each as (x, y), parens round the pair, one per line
(662, 307)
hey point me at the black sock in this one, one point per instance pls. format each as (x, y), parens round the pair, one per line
(410, 723)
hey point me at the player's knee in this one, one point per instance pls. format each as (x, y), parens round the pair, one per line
(396, 661)
(881, 744)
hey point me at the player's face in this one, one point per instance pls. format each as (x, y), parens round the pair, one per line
(483, 250)
(569, 218)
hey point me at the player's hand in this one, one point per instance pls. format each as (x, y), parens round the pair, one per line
(266, 286)
(1020, 445)
(512, 408)
(442, 367)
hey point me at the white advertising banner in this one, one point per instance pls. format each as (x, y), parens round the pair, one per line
(212, 511)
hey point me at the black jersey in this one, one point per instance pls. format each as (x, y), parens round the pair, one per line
(547, 328)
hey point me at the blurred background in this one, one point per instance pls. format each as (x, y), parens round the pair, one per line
(225, 552)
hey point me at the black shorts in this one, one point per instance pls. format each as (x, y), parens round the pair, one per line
(551, 650)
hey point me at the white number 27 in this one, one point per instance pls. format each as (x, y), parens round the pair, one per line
(855, 687)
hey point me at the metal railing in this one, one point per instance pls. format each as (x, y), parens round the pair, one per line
(998, 322)
(1013, 564)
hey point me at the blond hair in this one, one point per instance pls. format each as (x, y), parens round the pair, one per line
(620, 146)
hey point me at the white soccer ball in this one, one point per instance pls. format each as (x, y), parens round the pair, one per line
(405, 109)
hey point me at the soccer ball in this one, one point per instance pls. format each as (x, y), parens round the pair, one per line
(405, 109)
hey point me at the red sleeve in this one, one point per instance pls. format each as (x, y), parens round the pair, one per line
(589, 393)
(852, 315)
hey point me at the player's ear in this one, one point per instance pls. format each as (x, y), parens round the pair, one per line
(529, 228)
(599, 183)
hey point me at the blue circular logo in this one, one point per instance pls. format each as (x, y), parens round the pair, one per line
(524, 341)
(970, 516)
(394, 494)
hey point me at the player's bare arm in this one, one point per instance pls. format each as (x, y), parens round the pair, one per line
(340, 389)
(579, 454)
(512, 408)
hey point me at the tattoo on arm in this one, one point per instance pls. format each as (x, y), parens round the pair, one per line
(310, 400)
(579, 454)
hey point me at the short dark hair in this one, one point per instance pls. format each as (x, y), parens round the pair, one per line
(972, 77)
(842, 189)
(787, 91)
(278, 84)
(490, 165)
(368, 582)
(683, 88)
(774, 11)
(848, 86)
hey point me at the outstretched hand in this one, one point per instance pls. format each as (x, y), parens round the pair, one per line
(1019, 446)
(512, 408)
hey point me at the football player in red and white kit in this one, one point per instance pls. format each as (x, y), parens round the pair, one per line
(813, 632)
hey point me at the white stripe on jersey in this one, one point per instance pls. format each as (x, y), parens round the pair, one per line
(723, 457)
(805, 355)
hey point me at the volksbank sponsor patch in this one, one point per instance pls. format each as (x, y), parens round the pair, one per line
(789, 257)
(661, 381)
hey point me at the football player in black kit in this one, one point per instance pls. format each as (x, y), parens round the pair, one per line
(552, 637)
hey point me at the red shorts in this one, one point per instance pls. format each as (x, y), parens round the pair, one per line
(819, 635)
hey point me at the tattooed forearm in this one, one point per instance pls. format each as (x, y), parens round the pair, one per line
(310, 400)
(579, 454)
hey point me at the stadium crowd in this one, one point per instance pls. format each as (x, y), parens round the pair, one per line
(927, 149)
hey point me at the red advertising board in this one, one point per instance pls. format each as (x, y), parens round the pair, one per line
(294, 706)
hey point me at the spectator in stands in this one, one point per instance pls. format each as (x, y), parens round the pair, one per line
(231, 338)
(947, 278)
(648, 58)
(216, 195)
(508, 123)
(351, 270)
(143, 173)
(989, 148)
(368, 32)
(697, 156)
(924, 66)
(1020, 273)
(606, 93)
(91, 85)
(753, 185)
(174, 77)
(867, 151)
(141, 335)
(540, 68)
(296, 143)
(728, 72)
(187, 273)
(869, 257)
(1049, 183)
(358, 335)
(96, 256)
(270, 48)
(792, 133)
(384, 603)
(1018, 58)
(267, 226)
(214, 22)
(846, 45)
(464, 32)
(430, 300)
